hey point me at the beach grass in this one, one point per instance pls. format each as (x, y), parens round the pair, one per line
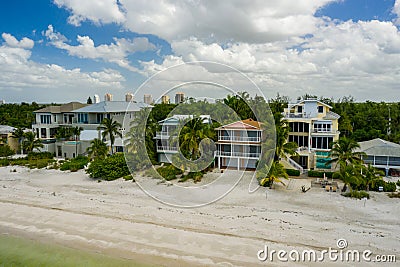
(16, 251)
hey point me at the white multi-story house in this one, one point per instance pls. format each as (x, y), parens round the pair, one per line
(239, 145)
(89, 117)
(169, 127)
(314, 127)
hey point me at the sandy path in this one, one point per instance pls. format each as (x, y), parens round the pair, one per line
(118, 218)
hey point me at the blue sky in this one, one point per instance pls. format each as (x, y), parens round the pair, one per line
(330, 48)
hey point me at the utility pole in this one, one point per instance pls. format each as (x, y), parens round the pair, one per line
(389, 124)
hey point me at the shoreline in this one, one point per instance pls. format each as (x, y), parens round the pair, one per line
(120, 220)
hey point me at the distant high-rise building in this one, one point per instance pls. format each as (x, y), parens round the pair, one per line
(147, 99)
(2, 102)
(108, 97)
(128, 97)
(179, 97)
(96, 99)
(165, 99)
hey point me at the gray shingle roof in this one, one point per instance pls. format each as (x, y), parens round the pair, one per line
(331, 116)
(5, 129)
(379, 147)
(112, 106)
(62, 108)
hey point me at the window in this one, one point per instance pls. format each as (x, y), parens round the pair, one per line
(323, 127)
(299, 127)
(302, 141)
(99, 117)
(82, 118)
(43, 133)
(320, 109)
(45, 119)
(321, 142)
(299, 109)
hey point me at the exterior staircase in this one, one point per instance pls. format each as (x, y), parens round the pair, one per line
(290, 163)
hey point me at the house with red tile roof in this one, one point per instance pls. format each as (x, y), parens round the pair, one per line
(238, 145)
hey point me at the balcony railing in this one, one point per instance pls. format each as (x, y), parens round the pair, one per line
(239, 154)
(166, 148)
(326, 131)
(296, 115)
(239, 138)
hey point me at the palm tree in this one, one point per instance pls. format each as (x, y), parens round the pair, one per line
(282, 150)
(111, 128)
(272, 175)
(30, 142)
(343, 153)
(98, 149)
(371, 175)
(19, 133)
(77, 132)
(190, 136)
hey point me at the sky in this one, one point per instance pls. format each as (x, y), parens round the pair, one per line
(68, 50)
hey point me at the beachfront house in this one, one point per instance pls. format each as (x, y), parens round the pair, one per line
(382, 154)
(169, 127)
(6, 137)
(238, 145)
(88, 117)
(314, 127)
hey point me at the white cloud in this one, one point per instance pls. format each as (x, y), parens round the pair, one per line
(339, 59)
(396, 11)
(19, 72)
(265, 39)
(98, 11)
(11, 41)
(255, 21)
(116, 52)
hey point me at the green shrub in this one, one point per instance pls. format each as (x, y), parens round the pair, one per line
(196, 176)
(390, 187)
(320, 174)
(5, 151)
(110, 168)
(4, 162)
(357, 194)
(394, 195)
(398, 183)
(292, 172)
(266, 182)
(74, 164)
(128, 177)
(39, 155)
(151, 172)
(169, 172)
(387, 186)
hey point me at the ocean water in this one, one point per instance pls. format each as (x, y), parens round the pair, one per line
(16, 251)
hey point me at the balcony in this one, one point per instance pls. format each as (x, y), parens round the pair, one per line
(162, 135)
(324, 131)
(239, 154)
(167, 149)
(296, 116)
(228, 138)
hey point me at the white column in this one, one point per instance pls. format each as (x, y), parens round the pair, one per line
(238, 165)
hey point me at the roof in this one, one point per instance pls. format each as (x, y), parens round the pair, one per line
(175, 119)
(62, 108)
(309, 100)
(5, 129)
(331, 116)
(112, 106)
(379, 147)
(249, 124)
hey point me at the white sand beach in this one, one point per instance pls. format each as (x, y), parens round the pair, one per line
(119, 219)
